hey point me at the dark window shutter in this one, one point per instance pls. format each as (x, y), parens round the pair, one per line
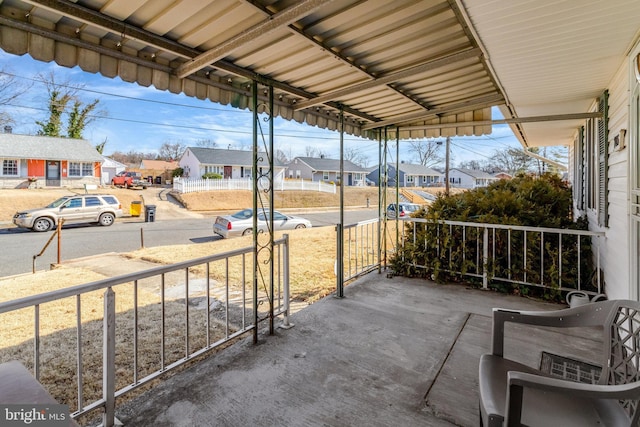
(603, 155)
(579, 181)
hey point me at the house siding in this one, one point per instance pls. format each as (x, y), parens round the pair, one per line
(614, 249)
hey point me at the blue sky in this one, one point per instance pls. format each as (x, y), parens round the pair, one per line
(142, 119)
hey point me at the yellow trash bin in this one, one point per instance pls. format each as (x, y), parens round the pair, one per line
(135, 208)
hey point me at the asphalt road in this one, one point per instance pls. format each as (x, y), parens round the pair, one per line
(80, 240)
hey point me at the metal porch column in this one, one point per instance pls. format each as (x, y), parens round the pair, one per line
(340, 227)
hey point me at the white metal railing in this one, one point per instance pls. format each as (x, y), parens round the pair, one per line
(560, 259)
(212, 296)
(361, 248)
(188, 185)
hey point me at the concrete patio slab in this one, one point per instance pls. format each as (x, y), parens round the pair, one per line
(394, 351)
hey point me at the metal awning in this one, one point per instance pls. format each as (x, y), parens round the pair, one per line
(407, 64)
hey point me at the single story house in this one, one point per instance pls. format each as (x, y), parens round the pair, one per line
(158, 165)
(327, 170)
(230, 164)
(411, 175)
(470, 178)
(111, 168)
(46, 161)
(502, 175)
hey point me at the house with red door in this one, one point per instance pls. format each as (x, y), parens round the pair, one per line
(44, 161)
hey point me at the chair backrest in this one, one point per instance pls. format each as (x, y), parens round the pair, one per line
(622, 355)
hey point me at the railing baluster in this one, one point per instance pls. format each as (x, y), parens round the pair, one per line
(560, 260)
(226, 302)
(135, 331)
(208, 292)
(109, 358)
(79, 351)
(186, 312)
(162, 323)
(36, 342)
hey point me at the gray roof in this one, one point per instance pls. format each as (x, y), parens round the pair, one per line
(222, 157)
(419, 170)
(330, 165)
(476, 173)
(14, 146)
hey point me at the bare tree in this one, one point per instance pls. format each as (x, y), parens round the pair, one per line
(171, 151)
(206, 143)
(282, 157)
(355, 156)
(10, 89)
(512, 160)
(427, 152)
(310, 151)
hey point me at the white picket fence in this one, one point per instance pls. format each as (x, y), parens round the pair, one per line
(188, 185)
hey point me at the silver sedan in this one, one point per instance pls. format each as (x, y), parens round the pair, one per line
(241, 223)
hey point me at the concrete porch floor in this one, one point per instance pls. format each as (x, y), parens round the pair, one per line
(393, 352)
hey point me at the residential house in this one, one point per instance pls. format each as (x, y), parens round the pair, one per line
(158, 165)
(470, 178)
(410, 175)
(160, 169)
(502, 175)
(110, 168)
(230, 164)
(327, 170)
(49, 161)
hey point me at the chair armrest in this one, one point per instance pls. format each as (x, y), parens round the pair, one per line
(595, 314)
(517, 381)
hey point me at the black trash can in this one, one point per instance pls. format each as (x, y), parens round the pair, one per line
(158, 180)
(149, 213)
(150, 179)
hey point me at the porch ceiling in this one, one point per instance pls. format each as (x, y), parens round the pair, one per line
(393, 63)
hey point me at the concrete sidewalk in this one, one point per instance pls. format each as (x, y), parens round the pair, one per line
(393, 352)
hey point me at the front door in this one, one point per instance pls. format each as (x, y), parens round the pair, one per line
(228, 170)
(53, 173)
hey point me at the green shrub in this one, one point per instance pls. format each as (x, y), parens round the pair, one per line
(177, 172)
(440, 250)
(211, 175)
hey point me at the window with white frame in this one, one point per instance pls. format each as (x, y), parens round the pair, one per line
(214, 169)
(325, 175)
(410, 179)
(80, 169)
(9, 167)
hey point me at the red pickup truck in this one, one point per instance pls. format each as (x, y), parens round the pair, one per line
(128, 179)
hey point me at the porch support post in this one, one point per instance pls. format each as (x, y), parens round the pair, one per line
(270, 155)
(340, 227)
(380, 203)
(385, 187)
(397, 190)
(254, 104)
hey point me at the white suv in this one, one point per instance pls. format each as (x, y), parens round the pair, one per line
(100, 208)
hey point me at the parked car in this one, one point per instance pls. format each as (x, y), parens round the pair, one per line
(406, 209)
(128, 179)
(241, 223)
(100, 208)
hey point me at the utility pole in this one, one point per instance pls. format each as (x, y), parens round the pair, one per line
(446, 170)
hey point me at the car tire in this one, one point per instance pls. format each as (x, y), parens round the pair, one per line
(301, 226)
(106, 219)
(42, 224)
(247, 232)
